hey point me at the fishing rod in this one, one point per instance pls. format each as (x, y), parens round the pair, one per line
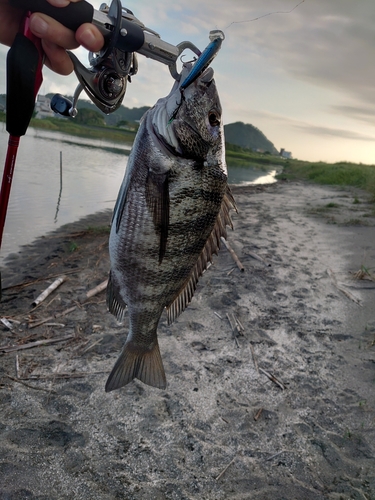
(104, 81)
(24, 78)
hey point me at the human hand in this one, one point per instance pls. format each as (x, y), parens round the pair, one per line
(56, 39)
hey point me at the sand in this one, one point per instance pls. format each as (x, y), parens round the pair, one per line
(283, 407)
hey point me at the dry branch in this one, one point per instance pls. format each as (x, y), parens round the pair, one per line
(94, 291)
(36, 323)
(25, 284)
(30, 386)
(49, 290)
(273, 379)
(30, 345)
(258, 257)
(54, 376)
(233, 254)
(6, 323)
(258, 414)
(226, 468)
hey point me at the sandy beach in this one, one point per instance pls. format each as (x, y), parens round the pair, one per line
(270, 370)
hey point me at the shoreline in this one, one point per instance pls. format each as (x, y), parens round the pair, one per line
(223, 428)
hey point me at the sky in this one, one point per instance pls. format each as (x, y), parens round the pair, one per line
(303, 72)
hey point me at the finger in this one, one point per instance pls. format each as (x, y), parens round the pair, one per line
(52, 31)
(61, 3)
(90, 37)
(56, 58)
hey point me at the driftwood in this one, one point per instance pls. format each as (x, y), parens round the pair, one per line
(273, 379)
(94, 291)
(233, 254)
(50, 318)
(49, 290)
(25, 284)
(258, 257)
(235, 324)
(6, 323)
(30, 345)
(258, 414)
(226, 468)
(30, 386)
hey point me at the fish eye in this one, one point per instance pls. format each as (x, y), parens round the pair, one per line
(214, 118)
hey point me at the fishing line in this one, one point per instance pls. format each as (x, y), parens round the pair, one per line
(265, 15)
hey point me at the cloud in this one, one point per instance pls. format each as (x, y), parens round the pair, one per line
(361, 113)
(334, 132)
(329, 44)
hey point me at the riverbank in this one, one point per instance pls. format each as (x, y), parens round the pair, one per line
(281, 408)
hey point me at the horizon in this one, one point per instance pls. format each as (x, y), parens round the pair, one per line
(301, 72)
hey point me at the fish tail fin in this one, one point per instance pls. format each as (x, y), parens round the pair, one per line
(136, 362)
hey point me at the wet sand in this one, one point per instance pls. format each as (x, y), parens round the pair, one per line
(283, 407)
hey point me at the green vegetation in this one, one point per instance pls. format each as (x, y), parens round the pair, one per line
(242, 157)
(73, 127)
(249, 137)
(338, 174)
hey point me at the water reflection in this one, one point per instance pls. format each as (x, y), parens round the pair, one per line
(91, 177)
(249, 175)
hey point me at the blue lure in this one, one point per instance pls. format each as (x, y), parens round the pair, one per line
(205, 59)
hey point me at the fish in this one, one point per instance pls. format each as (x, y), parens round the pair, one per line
(172, 209)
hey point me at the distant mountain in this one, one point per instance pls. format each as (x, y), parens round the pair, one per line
(247, 136)
(122, 114)
(240, 134)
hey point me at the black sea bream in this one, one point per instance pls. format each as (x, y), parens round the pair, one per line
(172, 209)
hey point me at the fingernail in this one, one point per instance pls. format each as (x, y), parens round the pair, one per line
(60, 3)
(38, 26)
(87, 39)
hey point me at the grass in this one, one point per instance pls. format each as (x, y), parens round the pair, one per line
(339, 174)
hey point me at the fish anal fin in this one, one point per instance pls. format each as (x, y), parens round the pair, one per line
(157, 197)
(115, 304)
(135, 361)
(211, 247)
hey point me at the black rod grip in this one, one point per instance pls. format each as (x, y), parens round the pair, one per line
(22, 65)
(71, 16)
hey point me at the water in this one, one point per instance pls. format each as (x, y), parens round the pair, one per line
(91, 176)
(252, 175)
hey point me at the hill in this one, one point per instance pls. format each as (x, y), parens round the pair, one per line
(122, 114)
(239, 134)
(249, 137)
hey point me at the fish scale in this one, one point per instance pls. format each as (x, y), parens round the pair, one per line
(172, 209)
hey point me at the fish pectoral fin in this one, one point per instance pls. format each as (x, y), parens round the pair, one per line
(135, 361)
(115, 304)
(157, 197)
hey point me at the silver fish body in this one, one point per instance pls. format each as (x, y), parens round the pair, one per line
(172, 209)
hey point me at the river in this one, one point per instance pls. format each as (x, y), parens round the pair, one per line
(92, 171)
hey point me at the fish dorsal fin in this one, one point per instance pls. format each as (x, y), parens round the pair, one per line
(211, 247)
